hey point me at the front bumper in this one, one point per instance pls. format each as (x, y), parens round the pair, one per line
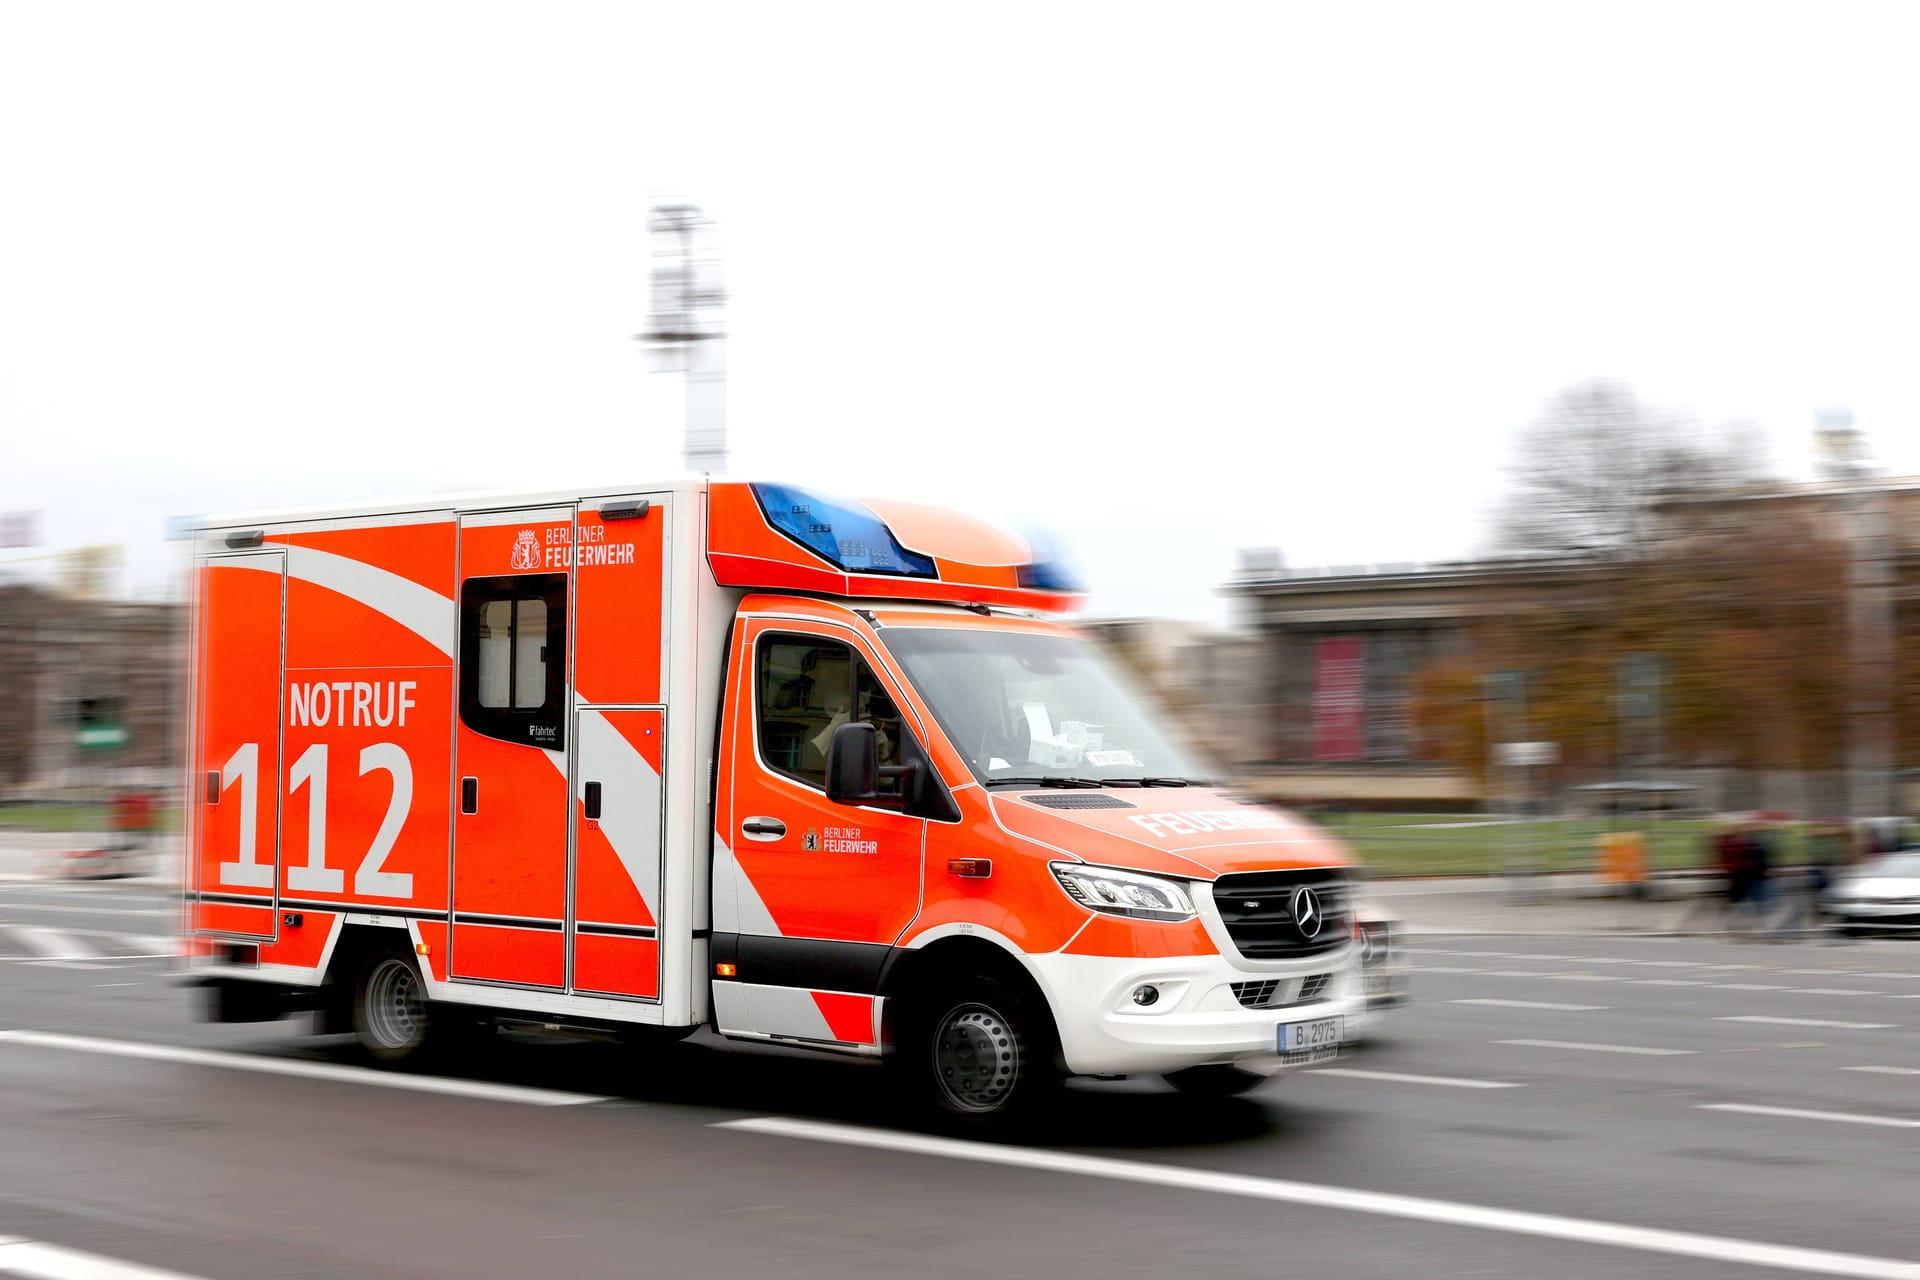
(1198, 1019)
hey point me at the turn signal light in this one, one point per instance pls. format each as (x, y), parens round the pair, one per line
(724, 970)
(421, 948)
(970, 867)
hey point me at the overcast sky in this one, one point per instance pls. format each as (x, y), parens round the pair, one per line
(1168, 280)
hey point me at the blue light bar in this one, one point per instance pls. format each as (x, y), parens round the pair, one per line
(844, 534)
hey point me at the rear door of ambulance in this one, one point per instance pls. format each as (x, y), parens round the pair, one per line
(240, 656)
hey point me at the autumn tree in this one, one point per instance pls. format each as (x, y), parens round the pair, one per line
(1737, 586)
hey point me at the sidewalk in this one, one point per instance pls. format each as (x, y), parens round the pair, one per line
(1547, 906)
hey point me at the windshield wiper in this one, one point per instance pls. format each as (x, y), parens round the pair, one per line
(1156, 782)
(1051, 780)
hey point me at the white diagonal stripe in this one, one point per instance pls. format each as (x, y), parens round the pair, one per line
(421, 610)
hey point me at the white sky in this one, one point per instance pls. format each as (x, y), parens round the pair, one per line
(1169, 280)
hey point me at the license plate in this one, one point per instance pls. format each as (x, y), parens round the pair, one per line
(1320, 1035)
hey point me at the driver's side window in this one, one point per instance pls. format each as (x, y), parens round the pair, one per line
(805, 688)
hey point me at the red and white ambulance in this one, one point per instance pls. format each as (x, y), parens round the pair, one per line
(740, 756)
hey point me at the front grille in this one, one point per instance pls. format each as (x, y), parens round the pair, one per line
(1256, 995)
(1272, 993)
(1257, 908)
(1078, 802)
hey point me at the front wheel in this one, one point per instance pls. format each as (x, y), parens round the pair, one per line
(976, 1052)
(390, 1018)
(1217, 1080)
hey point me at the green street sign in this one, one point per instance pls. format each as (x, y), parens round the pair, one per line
(101, 735)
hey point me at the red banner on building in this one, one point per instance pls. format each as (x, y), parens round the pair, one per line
(1339, 699)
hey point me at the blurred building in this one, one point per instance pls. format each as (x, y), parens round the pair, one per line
(60, 652)
(1336, 650)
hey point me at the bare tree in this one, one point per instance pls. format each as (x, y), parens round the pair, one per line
(1589, 472)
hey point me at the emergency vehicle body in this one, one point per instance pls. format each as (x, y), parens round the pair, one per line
(729, 755)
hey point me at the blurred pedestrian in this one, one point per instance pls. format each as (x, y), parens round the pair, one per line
(1749, 896)
(1716, 907)
(1824, 851)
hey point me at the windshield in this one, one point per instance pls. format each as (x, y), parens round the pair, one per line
(1031, 706)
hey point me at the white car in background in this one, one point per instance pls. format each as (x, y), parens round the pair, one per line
(1880, 894)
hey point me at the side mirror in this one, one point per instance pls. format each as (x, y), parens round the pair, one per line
(854, 771)
(853, 764)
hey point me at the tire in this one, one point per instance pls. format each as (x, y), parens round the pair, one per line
(974, 1052)
(1216, 1080)
(389, 1011)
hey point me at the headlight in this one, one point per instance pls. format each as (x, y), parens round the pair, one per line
(1123, 893)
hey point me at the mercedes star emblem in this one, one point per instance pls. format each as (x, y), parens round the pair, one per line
(1307, 916)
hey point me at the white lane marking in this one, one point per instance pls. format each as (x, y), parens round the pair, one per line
(1532, 956)
(1747, 986)
(1668, 982)
(1588, 977)
(1890, 975)
(1531, 1004)
(50, 943)
(1445, 968)
(305, 1070)
(119, 984)
(1517, 973)
(1395, 1077)
(1887, 1071)
(1672, 964)
(1794, 1113)
(1812, 1022)
(1832, 991)
(52, 1262)
(65, 964)
(85, 911)
(1451, 1213)
(1596, 1048)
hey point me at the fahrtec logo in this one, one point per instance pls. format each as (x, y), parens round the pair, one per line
(526, 550)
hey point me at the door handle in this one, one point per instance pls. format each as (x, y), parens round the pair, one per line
(763, 828)
(213, 786)
(469, 795)
(591, 801)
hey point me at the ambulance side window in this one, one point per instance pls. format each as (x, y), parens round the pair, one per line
(513, 658)
(807, 688)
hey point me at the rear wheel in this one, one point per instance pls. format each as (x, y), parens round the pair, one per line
(1217, 1080)
(390, 1017)
(975, 1052)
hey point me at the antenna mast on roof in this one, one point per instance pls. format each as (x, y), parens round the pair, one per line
(686, 326)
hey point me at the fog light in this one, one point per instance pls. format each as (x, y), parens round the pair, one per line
(1145, 994)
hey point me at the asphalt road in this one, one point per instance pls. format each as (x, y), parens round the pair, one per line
(1676, 1109)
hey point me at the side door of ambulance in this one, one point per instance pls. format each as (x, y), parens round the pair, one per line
(619, 729)
(511, 737)
(236, 826)
(818, 891)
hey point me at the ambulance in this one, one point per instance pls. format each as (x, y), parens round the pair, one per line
(638, 761)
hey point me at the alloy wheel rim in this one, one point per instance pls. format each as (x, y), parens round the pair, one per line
(396, 1013)
(976, 1058)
